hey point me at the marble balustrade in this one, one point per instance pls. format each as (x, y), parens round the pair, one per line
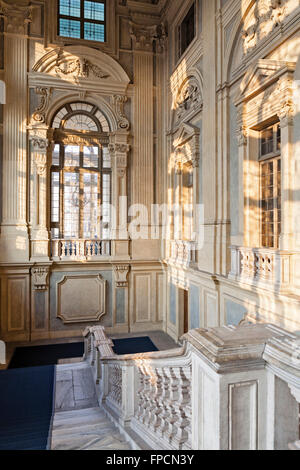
(225, 388)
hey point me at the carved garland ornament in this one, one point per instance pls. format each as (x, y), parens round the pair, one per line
(78, 67)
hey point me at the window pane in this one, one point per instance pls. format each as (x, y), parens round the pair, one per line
(69, 28)
(266, 146)
(90, 157)
(71, 205)
(69, 7)
(106, 158)
(94, 11)
(90, 206)
(55, 197)
(72, 155)
(94, 32)
(106, 210)
(270, 204)
(81, 122)
(55, 155)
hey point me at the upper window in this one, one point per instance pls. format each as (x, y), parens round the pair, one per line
(81, 19)
(270, 199)
(186, 31)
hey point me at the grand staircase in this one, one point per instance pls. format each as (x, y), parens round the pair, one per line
(79, 423)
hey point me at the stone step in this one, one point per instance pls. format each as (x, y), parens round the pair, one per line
(88, 429)
(79, 423)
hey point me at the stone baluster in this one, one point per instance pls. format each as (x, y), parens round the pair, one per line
(172, 417)
(164, 404)
(156, 414)
(181, 407)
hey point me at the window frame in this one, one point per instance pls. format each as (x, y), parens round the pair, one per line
(274, 157)
(181, 52)
(61, 169)
(82, 21)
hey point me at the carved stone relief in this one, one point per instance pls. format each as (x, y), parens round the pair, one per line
(77, 67)
(188, 99)
(264, 17)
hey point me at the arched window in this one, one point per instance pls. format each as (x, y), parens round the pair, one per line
(80, 174)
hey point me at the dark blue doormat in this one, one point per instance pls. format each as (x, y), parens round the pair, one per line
(45, 355)
(133, 345)
(26, 407)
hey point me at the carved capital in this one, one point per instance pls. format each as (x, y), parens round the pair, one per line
(144, 36)
(17, 16)
(121, 275)
(39, 276)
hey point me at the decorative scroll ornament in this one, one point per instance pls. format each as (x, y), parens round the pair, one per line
(40, 278)
(40, 113)
(121, 274)
(78, 67)
(119, 101)
(16, 17)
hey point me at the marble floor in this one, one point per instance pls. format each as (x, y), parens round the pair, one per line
(79, 423)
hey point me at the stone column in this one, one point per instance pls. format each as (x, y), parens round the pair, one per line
(39, 231)
(14, 245)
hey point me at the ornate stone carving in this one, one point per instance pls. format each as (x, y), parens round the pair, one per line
(39, 114)
(119, 101)
(40, 278)
(189, 98)
(40, 161)
(121, 274)
(144, 36)
(261, 21)
(78, 67)
(17, 16)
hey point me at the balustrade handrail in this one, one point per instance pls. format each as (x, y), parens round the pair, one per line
(156, 395)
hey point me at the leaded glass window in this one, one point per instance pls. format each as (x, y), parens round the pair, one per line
(81, 19)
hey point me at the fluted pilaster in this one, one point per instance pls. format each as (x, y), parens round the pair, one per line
(14, 237)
